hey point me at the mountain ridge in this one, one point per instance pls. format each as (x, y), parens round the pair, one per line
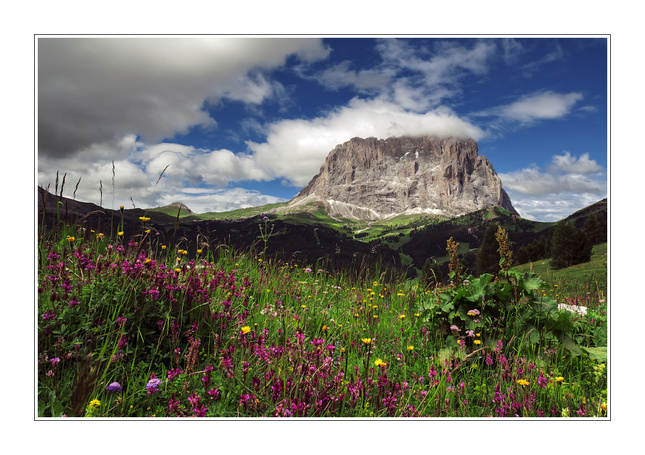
(370, 178)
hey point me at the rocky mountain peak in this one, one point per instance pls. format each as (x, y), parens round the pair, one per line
(380, 178)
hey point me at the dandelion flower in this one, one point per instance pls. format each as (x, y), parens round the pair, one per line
(410, 348)
(402, 316)
(379, 363)
(559, 379)
(246, 329)
(523, 382)
(366, 340)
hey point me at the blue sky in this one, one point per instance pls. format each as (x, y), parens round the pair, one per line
(245, 121)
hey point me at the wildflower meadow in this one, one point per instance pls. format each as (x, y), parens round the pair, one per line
(134, 327)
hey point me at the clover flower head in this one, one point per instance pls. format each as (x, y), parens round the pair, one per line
(114, 387)
(152, 385)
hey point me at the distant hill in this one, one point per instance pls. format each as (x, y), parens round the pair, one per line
(311, 236)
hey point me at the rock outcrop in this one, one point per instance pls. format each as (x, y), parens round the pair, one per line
(375, 178)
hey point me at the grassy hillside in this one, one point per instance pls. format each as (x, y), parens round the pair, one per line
(589, 277)
(233, 214)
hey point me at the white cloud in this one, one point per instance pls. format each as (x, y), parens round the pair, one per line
(138, 169)
(341, 75)
(534, 182)
(220, 200)
(93, 90)
(295, 149)
(427, 76)
(551, 207)
(570, 164)
(538, 106)
(568, 184)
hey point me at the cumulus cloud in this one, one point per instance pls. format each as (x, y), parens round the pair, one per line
(551, 207)
(534, 107)
(218, 200)
(295, 149)
(342, 75)
(570, 164)
(93, 90)
(567, 184)
(152, 174)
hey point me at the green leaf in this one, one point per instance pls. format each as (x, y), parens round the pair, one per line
(447, 304)
(479, 287)
(598, 354)
(571, 346)
(532, 282)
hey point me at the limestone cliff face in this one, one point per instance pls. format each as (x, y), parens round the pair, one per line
(375, 178)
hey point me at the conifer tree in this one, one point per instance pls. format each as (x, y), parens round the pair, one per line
(487, 255)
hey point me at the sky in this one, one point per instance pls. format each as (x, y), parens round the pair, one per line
(226, 122)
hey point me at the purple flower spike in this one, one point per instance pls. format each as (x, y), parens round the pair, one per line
(114, 387)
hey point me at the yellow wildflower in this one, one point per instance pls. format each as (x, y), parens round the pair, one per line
(366, 340)
(559, 379)
(94, 404)
(477, 341)
(120, 233)
(523, 382)
(402, 316)
(379, 363)
(246, 329)
(144, 218)
(199, 251)
(410, 348)
(163, 247)
(70, 238)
